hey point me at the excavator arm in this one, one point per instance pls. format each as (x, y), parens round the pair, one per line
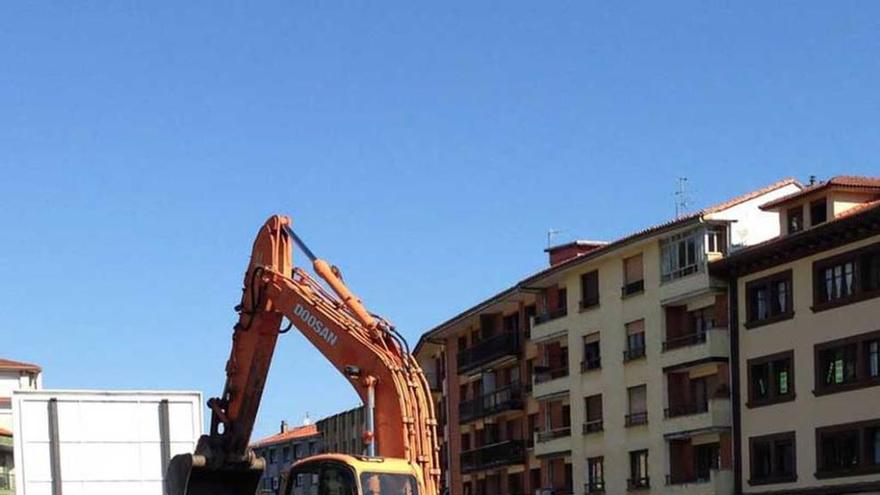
(366, 349)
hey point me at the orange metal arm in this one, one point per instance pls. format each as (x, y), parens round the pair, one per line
(364, 348)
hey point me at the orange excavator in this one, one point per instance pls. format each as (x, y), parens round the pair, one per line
(400, 434)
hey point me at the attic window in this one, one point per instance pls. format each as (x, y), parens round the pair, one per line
(795, 219)
(818, 212)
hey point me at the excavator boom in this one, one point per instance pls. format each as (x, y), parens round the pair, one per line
(366, 349)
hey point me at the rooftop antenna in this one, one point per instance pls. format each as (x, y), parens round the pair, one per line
(553, 233)
(812, 180)
(682, 198)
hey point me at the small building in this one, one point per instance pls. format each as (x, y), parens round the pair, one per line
(805, 344)
(343, 433)
(14, 375)
(281, 450)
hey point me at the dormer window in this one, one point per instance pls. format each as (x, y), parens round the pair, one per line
(818, 212)
(795, 218)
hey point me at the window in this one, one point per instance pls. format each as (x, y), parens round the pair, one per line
(716, 239)
(638, 470)
(772, 459)
(593, 405)
(795, 218)
(846, 278)
(707, 457)
(680, 255)
(769, 299)
(771, 379)
(595, 474)
(590, 289)
(849, 363)
(272, 456)
(635, 340)
(592, 358)
(633, 275)
(285, 454)
(638, 405)
(818, 212)
(848, 449)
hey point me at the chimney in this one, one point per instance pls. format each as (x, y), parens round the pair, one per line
(284, 427)
(564, 252)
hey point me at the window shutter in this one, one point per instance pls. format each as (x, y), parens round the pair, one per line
(632, 268)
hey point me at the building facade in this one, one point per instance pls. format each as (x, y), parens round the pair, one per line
(281, 450)
(610, 368)
(805, 319)
(14, 375)
(343, 433)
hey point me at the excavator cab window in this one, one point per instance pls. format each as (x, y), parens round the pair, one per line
(388, 484)
(326, 478)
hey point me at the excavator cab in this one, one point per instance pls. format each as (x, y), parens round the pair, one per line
(338, 474)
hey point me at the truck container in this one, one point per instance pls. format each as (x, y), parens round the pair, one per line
(100, 442)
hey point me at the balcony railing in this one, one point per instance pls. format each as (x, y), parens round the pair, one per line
(550, 315)
(554, 433)
(593, 426)
(504, 399)
(686, 409)
(591, 363)
(545, 374)
(435, 381)
(588, 303)
(632, 288)
(635, 419)
(686, 340)
(634, 353)
(492, 348)
(594, 487)
(497, 454)
(682, 479)
(638, 483)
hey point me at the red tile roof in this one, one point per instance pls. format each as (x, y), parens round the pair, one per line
(850, 182)
(8, 364)
(5, 433)
(291, 434)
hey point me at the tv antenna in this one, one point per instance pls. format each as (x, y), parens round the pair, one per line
(682, 198)
(551, 233)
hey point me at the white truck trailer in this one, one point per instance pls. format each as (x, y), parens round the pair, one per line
(100, 442)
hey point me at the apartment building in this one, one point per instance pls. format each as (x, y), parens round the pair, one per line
(622, 354)
(281, 450)
(805, 320)
(344, 432)
(478, 366)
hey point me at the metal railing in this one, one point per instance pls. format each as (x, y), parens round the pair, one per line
(544, 374)
(686, 409)
(638, 483)
(594, 426)
(594, 487)
(554, 433)
(634, 353)
(503, 399)
(487, 350)
(497, 454)
(632, 288)
(591, 363)
(639, 418)
(550, 315)
(682, 479)
(685, 340)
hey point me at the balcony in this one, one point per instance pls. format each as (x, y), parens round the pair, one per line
(435, 381)
(686, 409)
(554, 433)
(505, 344)
(632, 288)
(545, 374)
(550, 381)
(718, 481)
(591, 363)
(552, 441)
(505, 399)
(494, 455)
(714, 342)
(594, 426)
(636, 419)
(550, 315)
(714, 414)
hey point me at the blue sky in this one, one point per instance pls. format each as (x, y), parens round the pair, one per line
(424, 149)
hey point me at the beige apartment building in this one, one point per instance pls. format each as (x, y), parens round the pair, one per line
(611, 366)
(344, 432)
(806, 343)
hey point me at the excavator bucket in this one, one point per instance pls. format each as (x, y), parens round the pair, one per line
(190, 474)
